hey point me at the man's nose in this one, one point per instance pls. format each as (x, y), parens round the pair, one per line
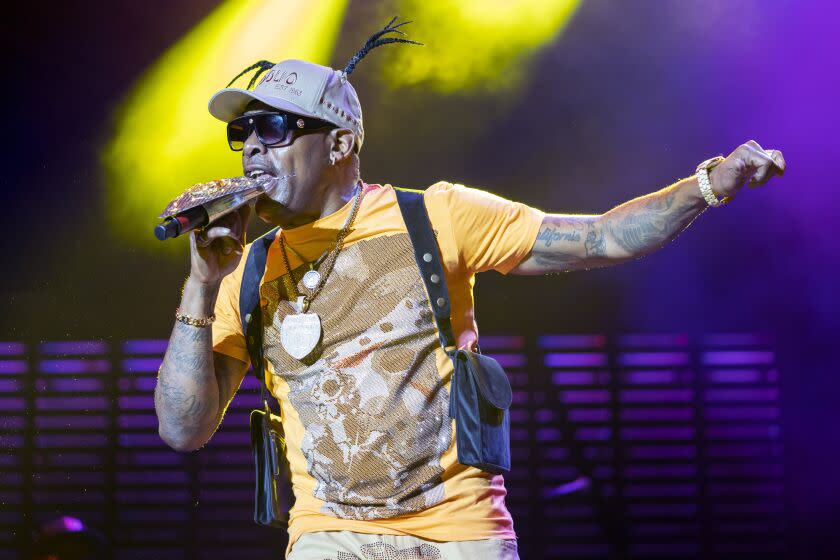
(252, 145)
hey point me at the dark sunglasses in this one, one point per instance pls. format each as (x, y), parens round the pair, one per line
(272, 128)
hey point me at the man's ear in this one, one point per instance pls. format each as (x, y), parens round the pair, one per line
(342, 145)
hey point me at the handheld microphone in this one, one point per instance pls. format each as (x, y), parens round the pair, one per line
(203, 203)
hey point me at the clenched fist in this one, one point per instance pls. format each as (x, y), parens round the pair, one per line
(748, 164)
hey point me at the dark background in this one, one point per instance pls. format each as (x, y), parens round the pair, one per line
(627, 100)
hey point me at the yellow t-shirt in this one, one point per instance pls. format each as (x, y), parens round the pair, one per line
(370, 443)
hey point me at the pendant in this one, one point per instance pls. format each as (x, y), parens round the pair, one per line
(300, 332)
(311, 279)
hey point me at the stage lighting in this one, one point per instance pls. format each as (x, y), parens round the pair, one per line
(474, 45)
(165, 140)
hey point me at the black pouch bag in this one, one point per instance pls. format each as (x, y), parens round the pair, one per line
(271, 500)
(273, 496)
(480, 393)
(479, 399)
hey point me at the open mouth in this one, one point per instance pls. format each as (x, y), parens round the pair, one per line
(254, 173)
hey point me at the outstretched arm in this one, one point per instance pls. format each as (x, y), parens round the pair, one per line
(642, 225)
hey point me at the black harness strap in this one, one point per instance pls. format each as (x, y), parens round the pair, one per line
(426, 253)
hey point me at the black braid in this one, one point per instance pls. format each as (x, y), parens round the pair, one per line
(375, 40)
(261, 67)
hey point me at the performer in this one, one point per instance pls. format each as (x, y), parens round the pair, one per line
(371, 446)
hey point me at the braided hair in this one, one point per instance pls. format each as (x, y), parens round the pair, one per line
(261, 66)
(376, 40)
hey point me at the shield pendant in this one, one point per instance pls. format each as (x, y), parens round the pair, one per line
(300, 333)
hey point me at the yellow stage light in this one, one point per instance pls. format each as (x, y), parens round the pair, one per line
(474, 45)
(165, 140)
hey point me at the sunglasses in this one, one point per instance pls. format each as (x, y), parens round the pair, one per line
(272, 129)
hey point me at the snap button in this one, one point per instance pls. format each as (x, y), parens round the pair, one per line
(427, 257)
(251, 338)
(441, 302)
(434, 278)
(248, 318)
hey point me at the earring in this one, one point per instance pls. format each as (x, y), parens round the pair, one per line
(332, 160)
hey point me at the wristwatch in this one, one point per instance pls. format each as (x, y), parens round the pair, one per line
(706, 185)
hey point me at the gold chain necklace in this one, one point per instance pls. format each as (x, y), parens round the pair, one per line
(301, 331)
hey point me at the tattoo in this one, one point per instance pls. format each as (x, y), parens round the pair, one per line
(583, 240)
(182, 406)
(650, 223)
(188, 350)
(596, 243)
(557, 260)
(549, 234)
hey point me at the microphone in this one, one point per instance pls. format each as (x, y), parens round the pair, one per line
(203, 203)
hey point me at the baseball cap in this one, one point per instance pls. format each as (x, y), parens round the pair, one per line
(302, 88)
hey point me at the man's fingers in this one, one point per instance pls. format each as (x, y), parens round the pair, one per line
(234, 223)
(763, 163)
(199, 238)
(217, 232)
(778, 159)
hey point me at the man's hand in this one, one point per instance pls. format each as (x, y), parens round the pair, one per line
(216, 250)
(748, 163)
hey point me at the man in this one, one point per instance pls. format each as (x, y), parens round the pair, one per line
(364, 403)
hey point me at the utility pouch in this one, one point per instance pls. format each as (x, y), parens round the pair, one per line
(479, 398)
(271, 500)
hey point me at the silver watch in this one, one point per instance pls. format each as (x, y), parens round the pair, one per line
(706, 185)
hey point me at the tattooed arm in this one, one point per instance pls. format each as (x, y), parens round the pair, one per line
(644, 224)
(631, 230)
(195, 384)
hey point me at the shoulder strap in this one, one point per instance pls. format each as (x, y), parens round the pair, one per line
(413, 207)
(249, 306)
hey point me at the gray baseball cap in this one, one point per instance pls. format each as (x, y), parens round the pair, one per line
(302, 88)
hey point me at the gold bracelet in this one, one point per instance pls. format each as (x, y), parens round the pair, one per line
(194, 321)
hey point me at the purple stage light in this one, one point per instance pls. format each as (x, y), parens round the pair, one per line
(12, 348)
(678, 433)
(13, 366)
(656, 395)
(71, 403)
(652, 340)
(550, 342)
(646, 359)
(734, 375)
(497, 342)
(10, 385)
(74, 366)
(74, 347)
(751, 394)
(738, 358)
(669, 414)
(590, 415)
(141, 365)
(145, 346)
(144, 402)
(575, 359)
(650, 377)
(576, 396)
(574, 377)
